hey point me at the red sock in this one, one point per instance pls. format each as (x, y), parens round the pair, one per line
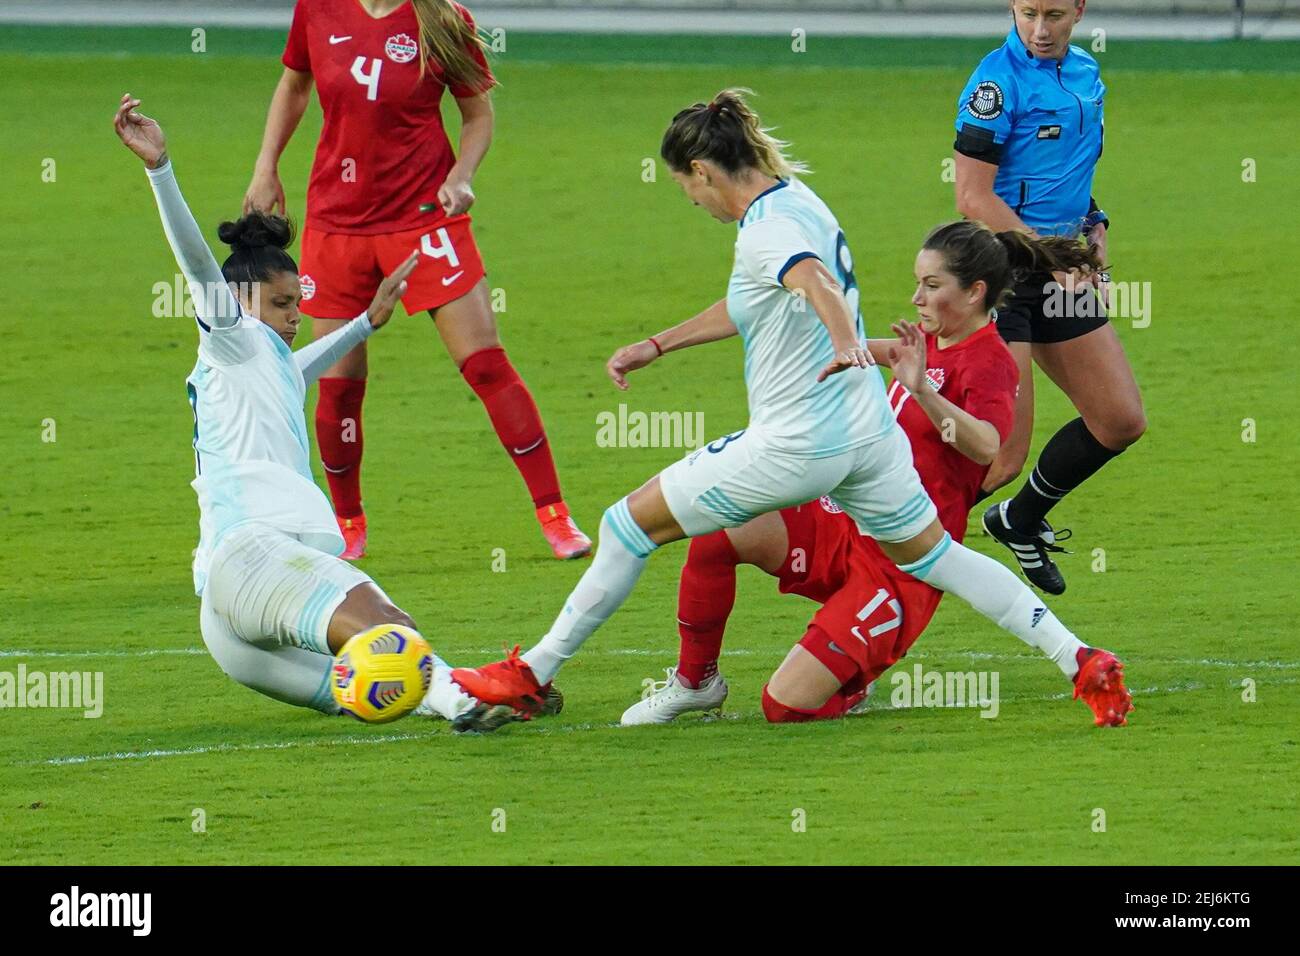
(778, 713)
(705, 598)
(517, 422)
(338, 434)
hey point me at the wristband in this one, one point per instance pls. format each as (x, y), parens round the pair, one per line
(1094, 218)
(655, 342)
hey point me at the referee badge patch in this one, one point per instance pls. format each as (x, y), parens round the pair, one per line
(986, 101)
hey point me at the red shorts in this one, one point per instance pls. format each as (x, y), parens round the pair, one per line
(871, 612)
(341, 272)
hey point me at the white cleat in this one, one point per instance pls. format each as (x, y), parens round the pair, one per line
(670, 699)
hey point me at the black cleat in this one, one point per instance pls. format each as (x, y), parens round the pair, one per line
(1030, 550)
(485, 718)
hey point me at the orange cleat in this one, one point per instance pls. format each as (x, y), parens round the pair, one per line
(564, 537)
(1100, 682)
(354, 537)
(510, 682)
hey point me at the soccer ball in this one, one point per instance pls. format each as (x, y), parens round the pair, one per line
(382, 673)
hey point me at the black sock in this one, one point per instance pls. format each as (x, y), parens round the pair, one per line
(1071, 457)
(981, 496)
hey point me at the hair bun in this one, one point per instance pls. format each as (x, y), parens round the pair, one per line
(256, 230)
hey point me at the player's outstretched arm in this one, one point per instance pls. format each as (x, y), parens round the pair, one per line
(711, 325)
(325, 351)
(214, 305)
(975, 438)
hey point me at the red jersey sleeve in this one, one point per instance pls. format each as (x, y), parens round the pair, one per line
(989, 391)
(462, 90)
(296, 55)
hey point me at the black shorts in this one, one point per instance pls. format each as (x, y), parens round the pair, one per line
(1039, 310)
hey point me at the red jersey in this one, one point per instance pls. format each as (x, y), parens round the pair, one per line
(979, 376)
(383, 150)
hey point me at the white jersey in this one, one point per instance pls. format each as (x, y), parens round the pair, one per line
(786, 345)
(251, 454)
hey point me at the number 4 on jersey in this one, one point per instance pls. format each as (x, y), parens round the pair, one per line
(369, 80)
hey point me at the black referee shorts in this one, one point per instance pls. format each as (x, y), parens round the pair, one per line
(1040, 310)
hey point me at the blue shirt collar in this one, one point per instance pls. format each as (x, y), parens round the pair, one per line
(780, 183)
(1021, 53)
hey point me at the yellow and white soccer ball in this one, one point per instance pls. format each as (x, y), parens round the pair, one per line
(382, 673)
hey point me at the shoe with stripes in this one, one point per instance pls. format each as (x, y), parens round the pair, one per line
(1030, 550)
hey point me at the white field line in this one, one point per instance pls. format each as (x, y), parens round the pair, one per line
(229, 748)
(667, 654)
(540, 728)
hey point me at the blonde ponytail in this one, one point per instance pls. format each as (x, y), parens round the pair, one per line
(446, 38)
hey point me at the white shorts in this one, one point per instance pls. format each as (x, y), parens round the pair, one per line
(740, 476)
(271, 590)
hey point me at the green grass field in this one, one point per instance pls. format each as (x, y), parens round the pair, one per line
(1197, 595)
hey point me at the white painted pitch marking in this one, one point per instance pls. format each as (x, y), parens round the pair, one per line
(540, 728)
(726, 652)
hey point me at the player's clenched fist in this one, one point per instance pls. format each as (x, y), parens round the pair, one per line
(391, 290)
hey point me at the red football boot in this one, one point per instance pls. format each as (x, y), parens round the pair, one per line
(354, 537)
(510, 682)
(1100, 682)
(564, 537)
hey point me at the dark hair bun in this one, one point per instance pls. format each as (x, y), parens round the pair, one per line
(256, 230)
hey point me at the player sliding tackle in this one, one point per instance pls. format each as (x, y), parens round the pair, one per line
(277, 603)
(953, 394)
(820, 423)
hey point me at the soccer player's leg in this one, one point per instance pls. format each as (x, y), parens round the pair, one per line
(364, 606)
(288, 674)
(450, 285)
(698, 495)
(886, 499)
(861, 630)
(293, 608)
(630, 530)
(705, 597)
(1087, 362)
(339, 275)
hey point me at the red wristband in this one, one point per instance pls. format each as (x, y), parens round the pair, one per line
(653, 341)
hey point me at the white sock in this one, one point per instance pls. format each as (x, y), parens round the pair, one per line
(999, 595)
(620, 558)
(444, 698)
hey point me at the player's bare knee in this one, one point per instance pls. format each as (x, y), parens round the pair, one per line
(1123, 431)
(389, 613)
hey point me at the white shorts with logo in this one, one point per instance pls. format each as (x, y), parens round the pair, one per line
(740, 476)
(270, 590)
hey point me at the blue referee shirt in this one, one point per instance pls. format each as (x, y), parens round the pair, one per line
(1040, 122)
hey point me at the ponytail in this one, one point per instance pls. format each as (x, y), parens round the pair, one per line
(972, 252)
(728, 132)
(1027, 255)
(257, 242)
(448, 39)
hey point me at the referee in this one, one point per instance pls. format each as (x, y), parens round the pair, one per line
(1029, 134)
